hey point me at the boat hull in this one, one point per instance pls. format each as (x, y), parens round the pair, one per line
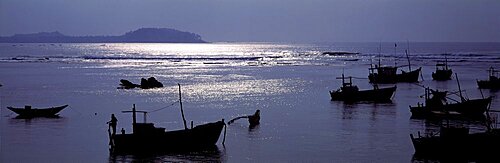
(470, 108)
(199, 137)
(389, 76)
(488, 84)
(442, 75)
(409, 77)
(377, 95)
(477, 145)
(30, 113)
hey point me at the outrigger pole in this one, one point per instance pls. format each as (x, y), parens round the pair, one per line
(182, 111)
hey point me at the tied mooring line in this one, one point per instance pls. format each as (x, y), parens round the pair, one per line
(172, 104)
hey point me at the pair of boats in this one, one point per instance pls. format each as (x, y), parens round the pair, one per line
(145, 137)
(436, 106)
(351, 93)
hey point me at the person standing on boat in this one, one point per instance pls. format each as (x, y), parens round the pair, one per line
(112, 123)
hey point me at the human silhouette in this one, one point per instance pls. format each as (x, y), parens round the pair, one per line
(254, 119)
(112, 123)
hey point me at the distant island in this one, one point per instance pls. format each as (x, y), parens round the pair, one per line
(143, 35)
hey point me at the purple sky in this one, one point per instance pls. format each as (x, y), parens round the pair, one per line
(299, 21)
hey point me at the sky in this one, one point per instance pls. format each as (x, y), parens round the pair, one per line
(293, 21)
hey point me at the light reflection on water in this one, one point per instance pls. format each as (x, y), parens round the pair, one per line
(289, 84)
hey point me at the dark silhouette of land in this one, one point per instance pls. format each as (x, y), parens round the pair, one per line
(143, 35)
(151, 82)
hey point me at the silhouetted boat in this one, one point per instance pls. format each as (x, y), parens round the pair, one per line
(458, 143)
(145, 137)
(351, 93)
(28, 112)
(492, 83)
(442, 71)
(436, 106)
(388, 74)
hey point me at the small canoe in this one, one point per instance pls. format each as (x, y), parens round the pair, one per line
(27, 111)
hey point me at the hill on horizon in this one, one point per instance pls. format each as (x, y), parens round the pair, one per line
(142, 35)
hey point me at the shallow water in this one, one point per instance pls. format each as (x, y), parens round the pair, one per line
(289, 83)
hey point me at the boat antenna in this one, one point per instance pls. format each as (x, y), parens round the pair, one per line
(459, 89)
(379, 53)
(395, 52)
(182, 111)
(407, 57)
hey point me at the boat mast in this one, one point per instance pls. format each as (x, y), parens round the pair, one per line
(343, 81)
(182, 111)
(459, 89)
(407, 57)
(395, 52)
(379, 53)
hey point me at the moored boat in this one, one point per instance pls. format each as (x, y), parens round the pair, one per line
(29, 112)
(442, 71)
(492, 83)
(145, 137)
(388, 74)
(436, 105)
(351, 93)
(457, 143)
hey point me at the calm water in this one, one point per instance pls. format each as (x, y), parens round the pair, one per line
(289, 83)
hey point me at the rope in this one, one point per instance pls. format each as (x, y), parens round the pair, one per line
(172, 104)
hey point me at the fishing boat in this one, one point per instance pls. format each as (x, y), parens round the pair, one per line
(351, 93)
(388, 74)
(146, 137)
(458, 143)
(442, 71)
(29, 112)
(437, 106)
(492, 83)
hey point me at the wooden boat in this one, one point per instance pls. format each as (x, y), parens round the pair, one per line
(436, 105)
(492, 83)
(442, 71)
(28, 112)
(351, 93)
(145, 137)
(388, 74)
(457, 143)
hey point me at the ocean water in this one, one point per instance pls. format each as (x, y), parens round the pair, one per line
(289, 83)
